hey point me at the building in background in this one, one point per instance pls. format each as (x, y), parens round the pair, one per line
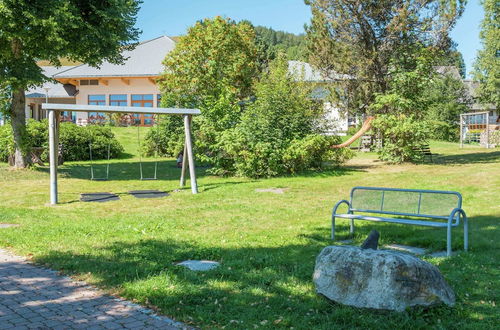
(132, 83)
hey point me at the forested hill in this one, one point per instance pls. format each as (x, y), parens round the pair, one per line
(272, 42)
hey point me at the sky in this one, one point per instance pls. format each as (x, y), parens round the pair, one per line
(173, 17)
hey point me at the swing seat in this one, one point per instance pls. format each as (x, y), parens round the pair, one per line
(99, 197)
(148, 193)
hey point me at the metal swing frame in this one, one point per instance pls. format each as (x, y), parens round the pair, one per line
(54, 111)
(92, 177)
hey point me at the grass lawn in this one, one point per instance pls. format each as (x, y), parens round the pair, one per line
(267, 243)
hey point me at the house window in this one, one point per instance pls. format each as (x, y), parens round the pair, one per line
(97, 117)
(68, 116)
(118, 100)
(158, 100)
(143, 100)
(91, 82)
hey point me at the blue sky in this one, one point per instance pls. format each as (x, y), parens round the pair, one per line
(173, 17)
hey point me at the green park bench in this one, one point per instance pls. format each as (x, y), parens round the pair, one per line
(430, 208)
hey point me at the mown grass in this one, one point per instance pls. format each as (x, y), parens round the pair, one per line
(266, 243)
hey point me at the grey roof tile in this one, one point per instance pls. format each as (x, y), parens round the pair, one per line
(145, 60)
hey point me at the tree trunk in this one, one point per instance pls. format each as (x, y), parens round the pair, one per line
(18, 120)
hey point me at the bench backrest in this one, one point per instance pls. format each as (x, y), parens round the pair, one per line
(407, 202)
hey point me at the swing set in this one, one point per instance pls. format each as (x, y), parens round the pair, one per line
(54, 113)
(93, 177)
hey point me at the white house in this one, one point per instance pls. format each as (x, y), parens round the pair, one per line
(337, 121)
(132, 83)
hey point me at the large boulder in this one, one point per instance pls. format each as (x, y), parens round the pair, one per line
(379, 279)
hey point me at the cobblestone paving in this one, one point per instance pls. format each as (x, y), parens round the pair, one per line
(37, 298)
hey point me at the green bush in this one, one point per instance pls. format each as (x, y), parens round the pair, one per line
(444, 131)
(401, 134)
(278, 133)
(75, 140)
(495, 138)
(6, 144)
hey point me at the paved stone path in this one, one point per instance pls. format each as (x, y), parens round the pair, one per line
(37, 298)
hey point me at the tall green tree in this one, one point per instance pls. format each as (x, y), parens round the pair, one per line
(212, 68)
(487, 66)
(361, 40)
(89, 31)
(271, 43)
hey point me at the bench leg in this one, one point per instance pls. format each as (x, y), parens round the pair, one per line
(333, 228)
(352, 227)
(466, 234)
(448, 241)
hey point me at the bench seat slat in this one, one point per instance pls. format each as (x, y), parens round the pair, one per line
(395, 220)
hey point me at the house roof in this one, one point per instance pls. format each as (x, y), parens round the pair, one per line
(143, 61)
(448, 70)
(56, 90)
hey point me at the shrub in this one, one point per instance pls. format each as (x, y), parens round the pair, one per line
(278, 133)
(401, 134)
(444, 131)
(75, 139)
(495, 138)
(6, 142)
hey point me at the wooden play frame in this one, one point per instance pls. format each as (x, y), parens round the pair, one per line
(54, 111)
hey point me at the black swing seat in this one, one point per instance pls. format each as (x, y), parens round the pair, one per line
(148, 193)
(99, 197)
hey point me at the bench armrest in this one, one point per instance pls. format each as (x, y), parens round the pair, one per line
(453, 213)
(340, 203)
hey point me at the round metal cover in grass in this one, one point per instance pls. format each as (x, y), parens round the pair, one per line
(148, 193)
(199, 265)
(8, 225)
(100, 197)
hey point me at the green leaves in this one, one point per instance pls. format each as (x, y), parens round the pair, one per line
(217, 57)
(365, 39)
(89, 31)
(401, 134)
(212, 68)
(487, 66)
(278, 132)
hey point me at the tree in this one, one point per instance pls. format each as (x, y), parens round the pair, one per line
(360, 39)
(447, 98)
(487, 66)
(212, 68)
(453, 57)
(89, 31)
(271, 43)
(417, 98)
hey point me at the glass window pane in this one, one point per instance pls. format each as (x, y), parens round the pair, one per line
(148, 97)
(136, 97)
(97, 98)
(148, 104)
(118, 97)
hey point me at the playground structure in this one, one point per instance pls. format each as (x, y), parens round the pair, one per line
(475, 127)
(54, 113)
(365, 128)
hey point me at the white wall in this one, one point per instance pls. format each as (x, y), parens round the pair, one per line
(116, 86)
(337, 122)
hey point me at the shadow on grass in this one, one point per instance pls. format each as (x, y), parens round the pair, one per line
(124, 171)
(469, 158)
(274, 283)
(333, 171)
